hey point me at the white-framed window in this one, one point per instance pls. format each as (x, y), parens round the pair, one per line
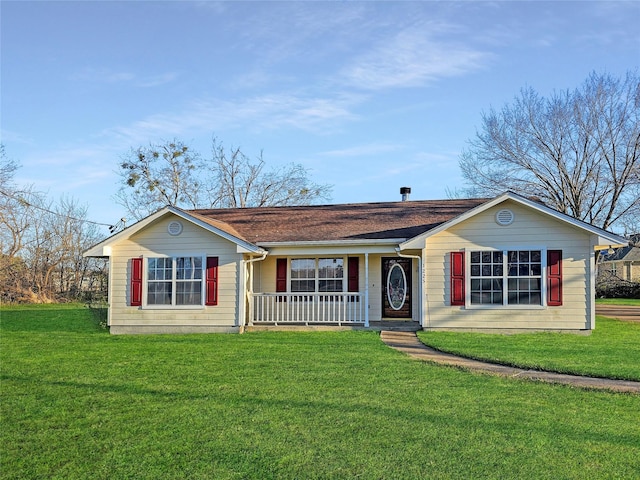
(506, 277)
(317, 275)
(174, 281)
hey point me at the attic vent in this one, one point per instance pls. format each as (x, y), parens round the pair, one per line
(504, 217)
(174, 228)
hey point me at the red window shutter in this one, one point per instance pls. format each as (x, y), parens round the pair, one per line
(136, 282)
(281, 275)
(457, 278)
(211, 281)
(554, 278)
(353, 274)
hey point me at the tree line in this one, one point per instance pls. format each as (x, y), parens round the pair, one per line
(577, 150)
(41, 245)
(42, 241)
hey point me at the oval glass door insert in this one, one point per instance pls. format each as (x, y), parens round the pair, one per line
(396, 287)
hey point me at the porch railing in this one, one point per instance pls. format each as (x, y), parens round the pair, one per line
(307, 308)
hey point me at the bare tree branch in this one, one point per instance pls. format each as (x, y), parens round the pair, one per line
(578, 151)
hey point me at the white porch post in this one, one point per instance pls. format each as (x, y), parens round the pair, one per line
(242, 296)
(366, 290)
(250, 293)
(248, 287)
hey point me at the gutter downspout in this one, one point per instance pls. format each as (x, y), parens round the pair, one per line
(249, 286)
(420, 302)
(366, 290)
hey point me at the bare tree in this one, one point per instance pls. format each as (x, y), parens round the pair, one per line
(578, 151)
(240, 182)
(50, 258)
(8, 168)
(159, 175)
(13, 226)
(41, 244)
(171, 174)
(12, 229)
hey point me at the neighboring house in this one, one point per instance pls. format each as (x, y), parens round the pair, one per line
(507, 263)
(622, 264)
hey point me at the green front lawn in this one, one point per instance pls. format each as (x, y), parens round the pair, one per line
(612, 350)
(635, 302)
(77, 402)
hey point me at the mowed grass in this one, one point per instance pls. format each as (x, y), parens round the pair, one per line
(80, 403)
(635, 302)
(611, 351)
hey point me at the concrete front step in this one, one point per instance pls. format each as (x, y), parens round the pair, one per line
(395, 326)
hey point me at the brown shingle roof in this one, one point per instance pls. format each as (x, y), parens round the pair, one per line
(355, 221)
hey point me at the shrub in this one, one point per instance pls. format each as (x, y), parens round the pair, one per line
(618, 290)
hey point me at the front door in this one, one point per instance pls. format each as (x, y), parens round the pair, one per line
(396, 287)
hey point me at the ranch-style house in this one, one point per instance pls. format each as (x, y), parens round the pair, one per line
(508, 263)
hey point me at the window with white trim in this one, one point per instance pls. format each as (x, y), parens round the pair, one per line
(174, 281)
(511, 277)
(317, 274)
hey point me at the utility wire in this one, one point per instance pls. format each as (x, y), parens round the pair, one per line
(26, 203)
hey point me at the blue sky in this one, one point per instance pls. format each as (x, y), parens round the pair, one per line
(368, 96)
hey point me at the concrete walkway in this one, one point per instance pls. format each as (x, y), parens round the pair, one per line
(409, 343)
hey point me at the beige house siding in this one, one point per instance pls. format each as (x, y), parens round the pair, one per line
(264, 275)
(529, 230)
(155, 241)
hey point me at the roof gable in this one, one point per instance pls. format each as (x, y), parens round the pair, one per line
(103, 249)
(604, 237)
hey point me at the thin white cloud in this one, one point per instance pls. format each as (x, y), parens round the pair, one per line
(433, 159)
(102, 75)
(285, 31)
(412, 58)
(388, 173)
(64, 156)
(106, 75)
(363, 150)
(89, 166)
(157, 80)
(15, 137)
(260, 113)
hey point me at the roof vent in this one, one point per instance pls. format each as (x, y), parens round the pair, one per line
(174, 228)
(504, 217)
(405, 191)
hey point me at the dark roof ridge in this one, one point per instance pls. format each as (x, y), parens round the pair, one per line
(343, 205)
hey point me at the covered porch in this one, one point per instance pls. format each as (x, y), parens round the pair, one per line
(377, 289)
